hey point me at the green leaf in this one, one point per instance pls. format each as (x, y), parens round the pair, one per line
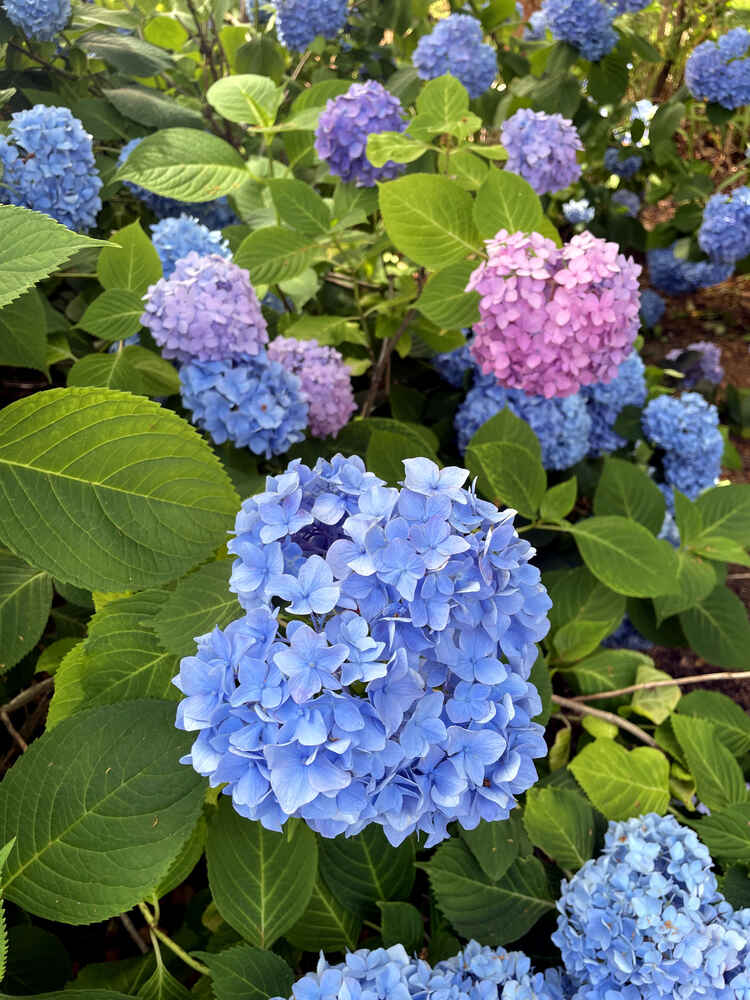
(731, 722)
(246, 973)
(718, 548)
(274, 254)
(655, 704)
(127, 53)
(125, 492)
(383, 147)
(608, 79)
(735, 887)
(386, 452)
(688, 517)
(608, 670)
(626, 557)
(32, 246)
(627, 490)
(583, 613)
(506, 201)
(622, 783)
(356, 436)
(506, 426)
(497, 845)
(162, 985)
(492, 912)
(401, 923)
(25, 601)
(329, 330)
(429, 218)
(154, 110)
(718, 630)
(559, 500)
(132, 264)
(726, 833)
(187, 858)
(508, 475)
(325, 924)
(185, 164)
(4, 852)
(113, 315)
(200, 601)
(246, 98)
(363, 870)
(99, 808)
(663, 125)
(719, 780)
(261, 881)
(445, 101)
(560, 823)
(37, 961)
(120, 660)
(131, 369)
(695, 580)
(725, 510)
(23, 333)
(445, 300)
(299, 206)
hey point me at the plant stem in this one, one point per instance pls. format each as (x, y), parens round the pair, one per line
(172, 945)
(42, 62)
(135, 937)
(28, 695)
(385, 353)
(615, 720)
(724, 675)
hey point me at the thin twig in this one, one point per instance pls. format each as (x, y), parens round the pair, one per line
(172, 945)
(15, 735)
(615, 720)
(724, 675)
(42, 62)
(382, 363)
(28, 695)
(129, 926)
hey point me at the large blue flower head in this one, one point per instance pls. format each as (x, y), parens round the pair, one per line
(345, 125)
(176, 238)
(456, 45)
(584, 24)
(537, 27)
(720, 71)
(562, 425)
(48, 165)
(652, 307)
(628, 6)
(623, 166)
(298, 22)
(542, 149)
(725, 230)
(40, 20)
(206, 310)
(453, 366)
(606, 400)
(257, 8)
(678, 276)
(707, 366)
(252, 402)
(687, 429)
(399, 694)
(475, 969)
(581, 211)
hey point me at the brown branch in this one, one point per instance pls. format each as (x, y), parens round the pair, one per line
(133, 934)
(724, 675)
(42, 62)
(14, 734)
(382, 363)
(615, 720)
(28, 695)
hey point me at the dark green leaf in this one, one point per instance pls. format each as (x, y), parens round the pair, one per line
(497, 845)
(718, 630)
(247, 973)
(626, 557)
(718, 777)
(560, 823)
(364, 870)
(325, 924)
(401, 923)
(23, 333)
(731, 722)
(726, 833)
(627, 490)
(200, 601)
(131, 369)
(274, 254)
(130, 263)
(25, 600)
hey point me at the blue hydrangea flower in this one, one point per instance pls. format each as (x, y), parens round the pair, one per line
(720, 71)
(48, 165)
(725, 230)
(402, 696)
(678, 276)
(542, 149)
(652, 307)
(627, 636)
(606, 400)
(623, 166)
(253, 402)
(581, 211)
(687, 429)
(584, 24)
(562, 425)
(259, 8)
(299, 22)
(537, 27)
(40, 20)
(176, 238)
(707, 367)
(456, 45)
(453, 366)
(628, 200)
(629, 6)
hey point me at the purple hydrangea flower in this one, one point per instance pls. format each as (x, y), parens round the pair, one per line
(687, 429)
(175, 238)
(542, 149)
(605, 402)
(706, 368)
(679, 276)
(252, 402)
(725, 230)
(652, 307)
(299, 22)
(325, 382)
(206, 310)
(629, 200)
(456, 45)
(584, 24)
(344, 126)
(47, 164)
(581, 211)
(720, 71)
(40, 20)
(623, 166)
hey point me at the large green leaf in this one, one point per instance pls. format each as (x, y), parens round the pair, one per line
(626, 557)
(509, 474)
(622, 783)
(108, 491)
(363, 870)
(99, 808)
(719, 780)
(560, 823)
(726, 833)
(23, 333)
(261, 881)
(384, 147)
(445, 300)
(154, 110)
(131, 369)
(127, 53)
(718, 630)
(725, 510)
(131, 265)
(444, 101)
(113, 315)
(696, 578)
(655, 704)
(4, 852)
(162, 985)
(401, 923)
(583, 613)
(246, 98)
(299, 206)
(25, 600)
(497, 845)
(731, 722)
(199, 603)
(608, 670)
(627, 490)
(275, 254)
(325, 924)
(506, 201)
(246, 973)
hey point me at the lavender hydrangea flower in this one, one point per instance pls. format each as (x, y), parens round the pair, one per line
(542, 149)
(325, 382)
(720, 71)
(652, 307)
(678, 276)
(253, 402)
(395, 698)
(206, 310)
(725, 230)
(628, 200)
(344, 126)
(605, 402)
(706, 368)
(581, 211)
(40, 20)
(456, 45)
(622, 166)
(48, 165)
(176, 238)
(687, 429)
(584, 24)
(299, 22)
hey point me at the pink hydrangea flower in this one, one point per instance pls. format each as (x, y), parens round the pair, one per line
(554, 319)
(326, 382)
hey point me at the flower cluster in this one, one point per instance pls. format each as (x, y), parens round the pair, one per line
(47, 164)
(563, 426)
(39, 20)
(456, 45)
(629, 6)
(652, 307)
(687, 429)
(629, 200)
(623, 166)
(554, 319)
(325, 382)
(453, 366)
(705, 367)
(175, 238)
(584, 24)
(605, 402)
(720, 71)
(344, 126)
(537, 27)
(643, 111)
(298, 22)
(399, 693)
(206, 310)
(725, 230)
(542, 149)
(679, 276)
(578, 211)
(252, 402)
(259, 9)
